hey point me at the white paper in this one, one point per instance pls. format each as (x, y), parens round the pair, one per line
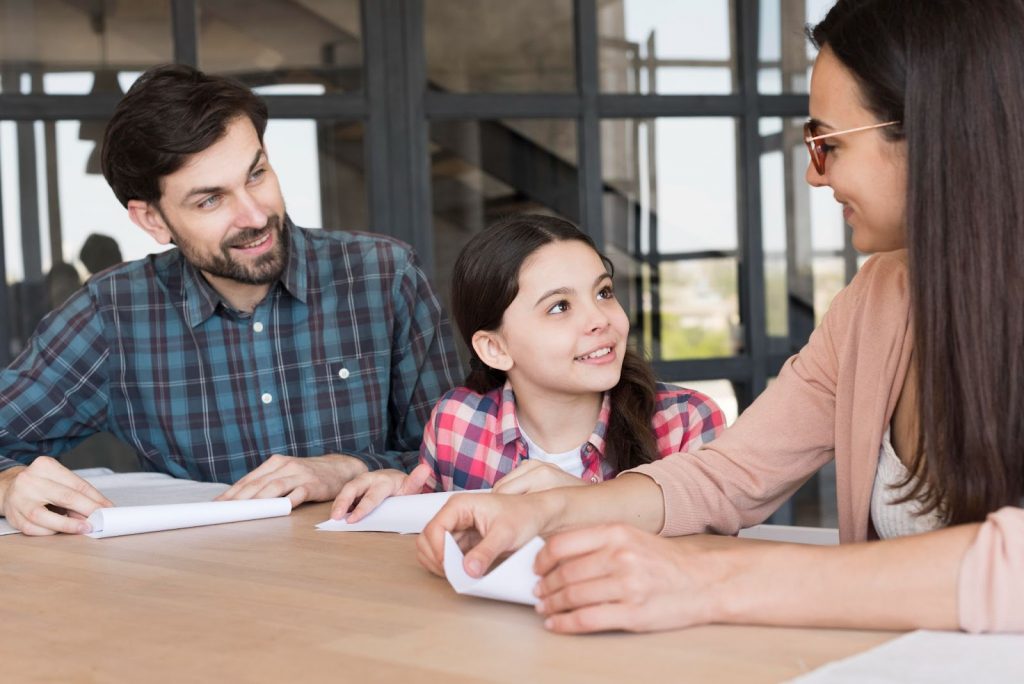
(114, 522)
(930, 657)
(402, 514)
(148, 489)
(512, 581)
(143, 489)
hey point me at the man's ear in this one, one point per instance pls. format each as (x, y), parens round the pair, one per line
(490, 347)
(147, 216)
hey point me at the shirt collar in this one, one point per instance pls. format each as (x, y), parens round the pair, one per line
(201, 299)
(507, 415)
(509, 424)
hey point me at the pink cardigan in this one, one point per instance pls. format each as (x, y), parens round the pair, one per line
(834, 400)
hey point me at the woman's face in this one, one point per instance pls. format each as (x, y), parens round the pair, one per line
(866, 171)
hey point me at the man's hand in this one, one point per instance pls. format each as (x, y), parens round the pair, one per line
(535, 476)
(46, 498)
(316, 478)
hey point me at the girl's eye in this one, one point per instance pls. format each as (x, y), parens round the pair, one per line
(606, 292)
(559, 307)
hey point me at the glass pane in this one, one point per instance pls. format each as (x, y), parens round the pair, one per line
(670, 192)
(497, 46)
(807, 252)
(74, 48)
(304, 48)
(666, 48)
(784, 52)
(482, 170)
(696, 307)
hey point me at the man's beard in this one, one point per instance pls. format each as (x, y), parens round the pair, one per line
(264, 270)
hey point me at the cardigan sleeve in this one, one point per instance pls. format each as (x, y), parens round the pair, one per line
(784, 437)
(991, 585)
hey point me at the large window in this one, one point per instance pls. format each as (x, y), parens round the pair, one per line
(670, 131)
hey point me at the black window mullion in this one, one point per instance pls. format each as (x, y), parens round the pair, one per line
(588, 130)
(751, 266)
(397, 155)
(184, 26)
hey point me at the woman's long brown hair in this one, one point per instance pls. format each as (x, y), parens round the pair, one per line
(953, 73)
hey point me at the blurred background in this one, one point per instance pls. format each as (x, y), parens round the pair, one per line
(670, 130)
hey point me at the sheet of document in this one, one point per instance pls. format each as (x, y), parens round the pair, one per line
(821, 536)
(402, 514)
(115, 522)
(130, 490)
(930, 657)
(511, 581)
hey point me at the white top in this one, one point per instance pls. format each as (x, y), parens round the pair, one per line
(896, 519)
(569, 461)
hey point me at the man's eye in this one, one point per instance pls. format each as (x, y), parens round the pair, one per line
(210, 201)
(257, 174)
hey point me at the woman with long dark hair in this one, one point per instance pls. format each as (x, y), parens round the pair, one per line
(913, 383)
(554, 396)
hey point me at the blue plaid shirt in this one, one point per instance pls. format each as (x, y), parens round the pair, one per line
(346, 354)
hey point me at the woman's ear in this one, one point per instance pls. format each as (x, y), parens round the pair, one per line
(490, 347)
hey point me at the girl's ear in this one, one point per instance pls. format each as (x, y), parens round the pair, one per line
(490, 347)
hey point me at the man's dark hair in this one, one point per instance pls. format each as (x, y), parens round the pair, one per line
(170, 113)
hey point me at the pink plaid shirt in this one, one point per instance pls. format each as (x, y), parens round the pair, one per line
(473, 440)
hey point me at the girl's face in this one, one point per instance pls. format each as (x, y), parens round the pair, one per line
(565, 332)
(866, 171)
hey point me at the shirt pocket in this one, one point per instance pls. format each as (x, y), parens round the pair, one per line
(351, 395)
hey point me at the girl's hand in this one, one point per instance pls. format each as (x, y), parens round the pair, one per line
(535, 476)
(370, 489)
(616, 577)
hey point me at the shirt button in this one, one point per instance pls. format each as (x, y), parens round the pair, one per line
(594, 479)
(343, 374)
(267, 398)
(257, 326)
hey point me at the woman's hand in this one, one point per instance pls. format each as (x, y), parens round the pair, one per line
(616, 577)
(535, 476)
(486, 526)
(370, 489)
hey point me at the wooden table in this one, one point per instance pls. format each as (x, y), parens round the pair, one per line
(277, 601)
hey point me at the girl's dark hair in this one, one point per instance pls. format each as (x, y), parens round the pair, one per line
(953, 73)
(169, 113)
(485, 280)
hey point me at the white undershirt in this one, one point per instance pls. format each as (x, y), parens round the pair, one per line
(892, 519)
(569, 461)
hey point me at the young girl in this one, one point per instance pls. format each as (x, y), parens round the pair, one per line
(554, 398)
(913, 383)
